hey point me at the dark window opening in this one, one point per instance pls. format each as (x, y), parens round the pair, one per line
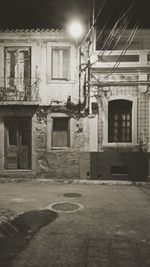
(122, 169)
(120, 121)
(114, 58)
(60, 132)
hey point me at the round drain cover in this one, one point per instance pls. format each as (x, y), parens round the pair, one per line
(72, 195)
(65, 207)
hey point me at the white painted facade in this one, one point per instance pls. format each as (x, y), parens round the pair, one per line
(90, 133)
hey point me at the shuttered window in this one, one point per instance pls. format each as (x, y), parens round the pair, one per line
(60, 63)
(120, 121)
(17, 67)
(60, 132)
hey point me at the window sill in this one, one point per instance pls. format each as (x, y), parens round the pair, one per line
(56, 81)
(59, 149)
(121, 145)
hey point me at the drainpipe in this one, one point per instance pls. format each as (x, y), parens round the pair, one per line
(89, 76)
(79, 74)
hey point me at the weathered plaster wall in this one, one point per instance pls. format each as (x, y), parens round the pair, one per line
(73, 163)
(41, 44)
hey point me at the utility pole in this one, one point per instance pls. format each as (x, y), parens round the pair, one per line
(92, 21)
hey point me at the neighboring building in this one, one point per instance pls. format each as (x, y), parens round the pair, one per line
(61, 122)
(122, 92)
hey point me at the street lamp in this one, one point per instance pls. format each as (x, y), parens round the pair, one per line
(75, 29)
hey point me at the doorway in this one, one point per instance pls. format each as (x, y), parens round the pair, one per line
(17, 143)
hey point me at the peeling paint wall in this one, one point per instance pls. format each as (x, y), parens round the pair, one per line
(73, 163)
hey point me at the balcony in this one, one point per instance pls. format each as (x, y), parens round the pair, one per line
(18, 90)
(134, 59)
(115, 68)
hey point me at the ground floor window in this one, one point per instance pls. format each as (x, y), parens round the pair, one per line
(120, 121)
(60, 132)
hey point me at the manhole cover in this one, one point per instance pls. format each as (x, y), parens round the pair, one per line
(65, 207)
(72, 195)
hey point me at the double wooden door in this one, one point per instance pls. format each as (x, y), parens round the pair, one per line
(17, 143)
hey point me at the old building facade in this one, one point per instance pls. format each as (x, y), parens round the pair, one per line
(62, 117)
(120, 85)
(38, 73)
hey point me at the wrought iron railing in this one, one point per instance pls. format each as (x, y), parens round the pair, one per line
(19, 89)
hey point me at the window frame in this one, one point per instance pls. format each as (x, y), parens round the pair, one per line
(134, 122)
(50, 118)
(60, 49)
(118, 124)
(16, 79)
(67, 133)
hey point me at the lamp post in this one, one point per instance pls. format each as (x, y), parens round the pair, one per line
(76, 30)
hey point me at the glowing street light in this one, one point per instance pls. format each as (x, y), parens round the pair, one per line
(75, 29)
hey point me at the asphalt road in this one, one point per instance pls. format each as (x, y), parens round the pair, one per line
(112, 228)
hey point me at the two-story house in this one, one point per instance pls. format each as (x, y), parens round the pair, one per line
(38, 133)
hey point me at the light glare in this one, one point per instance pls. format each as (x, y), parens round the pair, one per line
(75, 29)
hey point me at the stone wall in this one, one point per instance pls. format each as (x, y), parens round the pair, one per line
(69, 163)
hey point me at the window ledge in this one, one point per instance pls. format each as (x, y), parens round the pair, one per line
(60, 81)
(120, 145)
(59, 148)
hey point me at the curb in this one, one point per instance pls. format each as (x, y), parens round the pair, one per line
(75, 181)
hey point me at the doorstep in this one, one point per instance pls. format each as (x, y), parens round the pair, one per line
(17, 174)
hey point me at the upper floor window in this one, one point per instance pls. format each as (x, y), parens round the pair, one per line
(60, 63)
(120, 121)
(17, 67)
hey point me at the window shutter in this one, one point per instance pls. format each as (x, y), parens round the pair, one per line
(60, 135)
(56, 64)
(10, 60)
(65, 65)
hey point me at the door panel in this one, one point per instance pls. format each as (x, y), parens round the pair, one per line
(18, 143)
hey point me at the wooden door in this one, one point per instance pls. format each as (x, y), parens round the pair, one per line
(18, 143)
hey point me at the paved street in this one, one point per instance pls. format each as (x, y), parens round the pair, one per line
(112, 229)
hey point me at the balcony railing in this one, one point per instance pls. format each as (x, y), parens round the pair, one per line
(132, 58)
(18, 89)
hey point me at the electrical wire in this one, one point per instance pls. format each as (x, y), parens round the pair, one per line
(93, 25)
(129, 41)
(112, 35)
(116, 33)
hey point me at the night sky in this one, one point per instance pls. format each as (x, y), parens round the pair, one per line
(56, 13)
